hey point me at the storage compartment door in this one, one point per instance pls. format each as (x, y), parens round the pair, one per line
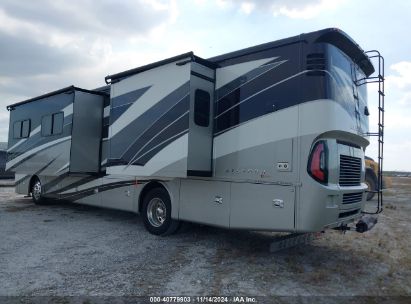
(265, 207)
(206, 202)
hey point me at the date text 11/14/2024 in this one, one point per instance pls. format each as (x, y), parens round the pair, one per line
(203, 299)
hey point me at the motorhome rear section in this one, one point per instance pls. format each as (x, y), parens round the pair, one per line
(54, 135)
(270, 137)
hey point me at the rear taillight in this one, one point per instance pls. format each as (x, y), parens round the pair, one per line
(317, 163)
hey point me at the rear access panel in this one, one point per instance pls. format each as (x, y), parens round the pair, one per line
(262, 206)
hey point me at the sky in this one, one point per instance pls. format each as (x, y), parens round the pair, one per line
(46, 45)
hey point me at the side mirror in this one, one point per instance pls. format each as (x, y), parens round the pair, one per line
(366, 112)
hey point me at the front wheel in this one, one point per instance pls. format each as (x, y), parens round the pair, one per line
(157, 213)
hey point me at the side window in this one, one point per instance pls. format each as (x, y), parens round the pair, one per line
(201, 108)
(17, 129)
(46, 125)
(25, 128)
(52, 124)
(58, 123)
(21, 129)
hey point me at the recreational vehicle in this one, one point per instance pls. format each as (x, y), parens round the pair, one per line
(270, 137)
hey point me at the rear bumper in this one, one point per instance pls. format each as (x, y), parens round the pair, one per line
(334, 206)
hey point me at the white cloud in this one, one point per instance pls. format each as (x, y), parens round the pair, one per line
(103, 17)
(224, 4)
(50, 36)
(4, 121)
(307, 11)
(247, 7)
(397, 135)
(402, 79)
(405, 99)
(398, 83)
(297, 9)
(396, 153)
(397, 120)
(50, 44)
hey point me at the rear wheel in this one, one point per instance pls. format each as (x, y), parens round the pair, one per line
(156, 213)
(371, 182)
(37, 192)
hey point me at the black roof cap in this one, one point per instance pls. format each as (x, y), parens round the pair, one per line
(190, 56)
(333, 36)
(346, 44)
(69, 89)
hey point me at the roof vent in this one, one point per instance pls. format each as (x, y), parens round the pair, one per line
(315, 64)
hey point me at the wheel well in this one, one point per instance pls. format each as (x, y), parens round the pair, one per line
(32, 179)
(371, 173)
(151, 185)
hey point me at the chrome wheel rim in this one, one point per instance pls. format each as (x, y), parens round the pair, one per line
(36, 190)
(156, 212)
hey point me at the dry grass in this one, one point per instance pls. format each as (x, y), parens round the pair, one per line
(401, 182)
(390, 206)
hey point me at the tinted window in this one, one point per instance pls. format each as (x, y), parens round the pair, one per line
(52, 124)
(21, 129)
(202, 108)
(58, 123)
(3, 160)
(17, 129)
(46, 125)
(25, 128)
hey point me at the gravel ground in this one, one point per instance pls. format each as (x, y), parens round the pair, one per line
(70, 250)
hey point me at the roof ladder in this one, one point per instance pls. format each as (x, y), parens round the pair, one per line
(376, 56)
